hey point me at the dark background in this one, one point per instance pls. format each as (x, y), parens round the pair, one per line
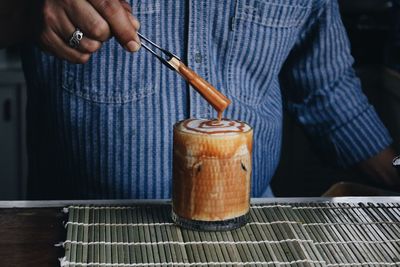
(374, 31)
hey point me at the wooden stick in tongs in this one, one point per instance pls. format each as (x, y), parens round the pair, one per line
(209, 92)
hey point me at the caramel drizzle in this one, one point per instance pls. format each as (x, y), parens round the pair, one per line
(215, 123)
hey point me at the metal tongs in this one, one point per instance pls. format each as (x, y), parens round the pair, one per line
(166, 52)
(209, 92)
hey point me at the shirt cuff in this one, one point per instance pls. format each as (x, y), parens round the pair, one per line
(360, 139)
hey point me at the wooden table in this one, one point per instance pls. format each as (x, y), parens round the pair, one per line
(28, 235)
(29, 229)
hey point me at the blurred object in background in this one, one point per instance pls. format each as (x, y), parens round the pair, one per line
(13, 159)
(342, 189)
(373, 27)
(9, 59)
(368, 24)
(393, 55)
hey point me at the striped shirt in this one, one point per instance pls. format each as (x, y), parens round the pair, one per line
(104, 129)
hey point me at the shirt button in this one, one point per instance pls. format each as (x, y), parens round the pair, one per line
(198, 57)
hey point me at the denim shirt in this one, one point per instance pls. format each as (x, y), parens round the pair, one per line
(104, 129)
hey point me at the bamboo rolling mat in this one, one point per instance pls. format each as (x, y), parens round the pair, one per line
(277, 235)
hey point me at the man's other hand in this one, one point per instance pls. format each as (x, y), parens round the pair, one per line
(99, 20)
(380, 169)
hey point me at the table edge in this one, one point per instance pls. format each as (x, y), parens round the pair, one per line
(64, 203)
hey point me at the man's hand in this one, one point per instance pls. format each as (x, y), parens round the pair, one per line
(380, 169)
(99, 20)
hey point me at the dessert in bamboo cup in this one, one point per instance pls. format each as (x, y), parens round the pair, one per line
(211, 174)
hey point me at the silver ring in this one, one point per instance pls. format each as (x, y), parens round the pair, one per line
(75, 38)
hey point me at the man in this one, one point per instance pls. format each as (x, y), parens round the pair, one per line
(103, 128)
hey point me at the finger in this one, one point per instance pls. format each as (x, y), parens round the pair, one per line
(126, 5)
(52, 43)
(87, 45)
(85, 17)
(135, 23)
(65, 29)
(118, 20)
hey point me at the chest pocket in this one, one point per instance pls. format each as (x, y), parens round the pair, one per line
(263, 33)
(113, 75)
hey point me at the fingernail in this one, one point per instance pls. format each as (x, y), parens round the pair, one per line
(132, 46)
(137, 39)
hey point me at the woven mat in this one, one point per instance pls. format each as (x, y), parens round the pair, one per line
(277, 235)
